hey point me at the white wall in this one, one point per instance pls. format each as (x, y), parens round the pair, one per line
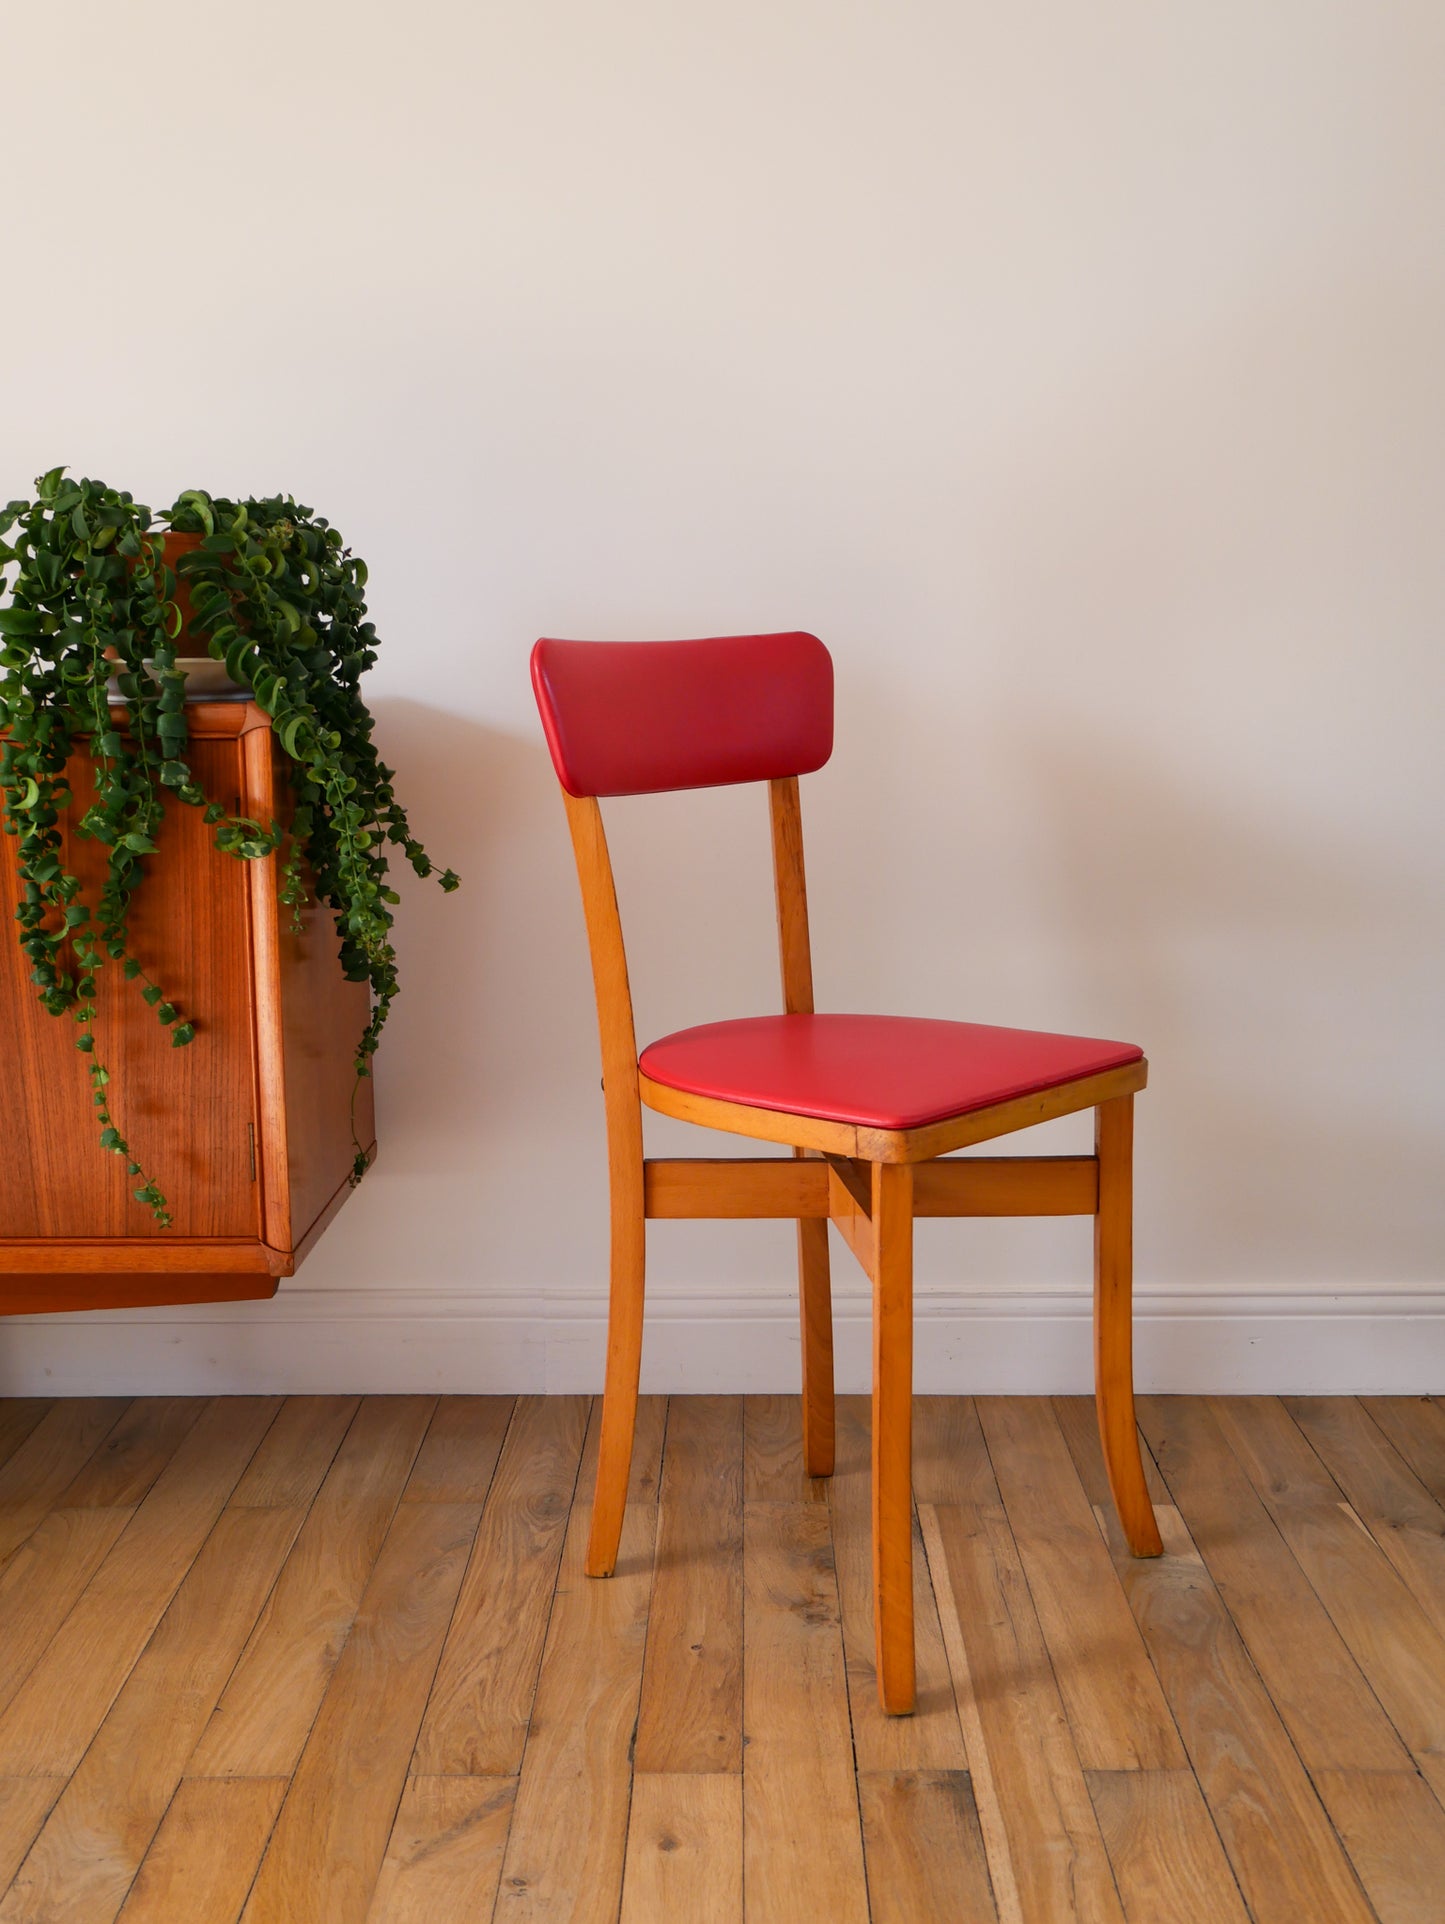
(1075, 372)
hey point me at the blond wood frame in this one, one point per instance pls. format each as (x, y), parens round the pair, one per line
(870, 1184)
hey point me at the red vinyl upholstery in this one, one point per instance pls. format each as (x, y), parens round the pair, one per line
(873, 1071)
(636, 717)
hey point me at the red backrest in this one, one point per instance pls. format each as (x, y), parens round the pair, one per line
(635, 717)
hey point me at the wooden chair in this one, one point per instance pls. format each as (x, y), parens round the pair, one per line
(868, 1105)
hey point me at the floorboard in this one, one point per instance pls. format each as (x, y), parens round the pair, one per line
(336, 1658)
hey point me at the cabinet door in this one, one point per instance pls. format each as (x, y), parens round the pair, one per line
(188, 1113)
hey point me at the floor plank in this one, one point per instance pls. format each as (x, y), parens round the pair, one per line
(691, 1713)
(565, 1853)
(18, 1417)
(457, 1459)
(1280, 1844)
(684, 1849)
(330, 1840)
(1164, 1848)
(931, 1739)
(55, 1451)
(1416, 1427)
(120, 1472)
(58, 1708)
(261, 1723)
(25, 1804)
(1055, 1852)
(1396, 1645)
(773, 1453)
(444, 1856)
(95, 1838)
(1116, 1710)
(40, 1583)
(1394, 1830)
(924, 1848)
(1319, 1690)
(84, 1861)
(798, 1778)
(342, 1545)
(1388, 1497)
(205, 1854)
(476, 1721)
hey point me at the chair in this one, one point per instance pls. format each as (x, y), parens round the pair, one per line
(869, 1106)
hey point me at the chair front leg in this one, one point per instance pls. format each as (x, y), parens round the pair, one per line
(1114, 1325)
(624, 1357)
(892, 1208)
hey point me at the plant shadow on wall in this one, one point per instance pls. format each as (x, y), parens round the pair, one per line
(1275, 980)
(481, 1076)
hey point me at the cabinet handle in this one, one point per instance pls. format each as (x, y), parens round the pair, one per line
(251, 1147)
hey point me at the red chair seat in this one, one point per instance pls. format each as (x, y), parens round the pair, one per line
(872, 1071)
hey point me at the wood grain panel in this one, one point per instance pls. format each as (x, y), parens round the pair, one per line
(684, 1849)
(691, 1715)
(184, 1111)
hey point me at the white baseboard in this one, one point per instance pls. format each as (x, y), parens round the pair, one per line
(1019, 1341)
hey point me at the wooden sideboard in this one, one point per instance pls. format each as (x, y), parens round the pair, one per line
(247, 1130)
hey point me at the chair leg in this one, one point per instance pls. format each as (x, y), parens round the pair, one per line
(815, 1304)
(624, 1363)
(892, 1200)
(1114, 1325)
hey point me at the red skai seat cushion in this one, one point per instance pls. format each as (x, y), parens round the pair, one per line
(873, 1071)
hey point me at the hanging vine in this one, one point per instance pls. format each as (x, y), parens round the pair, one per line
(88, 659)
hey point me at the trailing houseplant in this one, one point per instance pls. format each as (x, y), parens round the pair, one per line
(105, 601)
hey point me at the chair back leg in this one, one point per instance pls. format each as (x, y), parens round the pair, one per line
(624, 1360)
(892, 1212)
(815, 1308)
(1114, 1324)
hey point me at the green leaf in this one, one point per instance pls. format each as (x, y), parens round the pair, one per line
(167, 1013)
(183, 1033)
(151, 994)
(131, 969)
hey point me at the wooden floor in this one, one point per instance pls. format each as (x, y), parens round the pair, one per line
(335, 1658)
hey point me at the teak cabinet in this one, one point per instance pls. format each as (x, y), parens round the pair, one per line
(248, 1130)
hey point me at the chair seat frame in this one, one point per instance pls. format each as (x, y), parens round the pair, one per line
(870, 1184)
